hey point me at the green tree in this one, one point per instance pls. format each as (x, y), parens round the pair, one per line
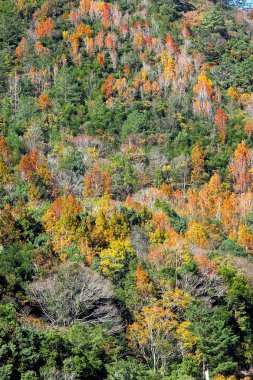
(216, 341)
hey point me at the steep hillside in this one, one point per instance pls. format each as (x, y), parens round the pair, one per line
(126, 183)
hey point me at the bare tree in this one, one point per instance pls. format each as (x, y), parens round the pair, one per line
(14, 90)
(181, 170)
(139, 242)
(77, 294)
(208, 286)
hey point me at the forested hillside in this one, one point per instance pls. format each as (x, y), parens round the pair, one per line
(126, 190)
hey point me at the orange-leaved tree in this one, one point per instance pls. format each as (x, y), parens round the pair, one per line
(45, 27)
(97, 182)
(241, 168)
(211, 196)
(198, 162)
(29, 164)
(245, 238)
(221, 121)
(143, 283)
(202, 103)
(62, 222)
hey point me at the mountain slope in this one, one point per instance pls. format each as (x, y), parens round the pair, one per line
(126, 178)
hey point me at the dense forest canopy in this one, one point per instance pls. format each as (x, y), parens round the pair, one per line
(126, 178)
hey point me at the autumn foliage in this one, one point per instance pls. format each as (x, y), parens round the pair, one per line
(126, 190)
(97, 182)
(45, 28)
(29, 164)
(220, 121)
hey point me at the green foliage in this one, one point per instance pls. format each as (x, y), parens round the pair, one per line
(16, 266)
(135, 123)
(30, 354)
(128, 369)
(113, 99)
(231, 247)
(72, 160)
(179, 223)
(216, 340)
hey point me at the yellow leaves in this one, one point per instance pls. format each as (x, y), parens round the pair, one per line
(118, 225)
(203, 80)
(62, 223)
(83, 30)
(5, 170)
(166, 168)
(168, 66)
(174, 299)
(157, 237)
(203, 95)
(144, 75)
(245, 99)
(23, 5)
(34, 195)
(151, 335)
(109, 225)
(162, 229)
(164, 57)
(198, 162)
(120, 85)
(242, 152)
(138, 40)
(186, 337)
(101, 6)
(151, 323)
(157, 328)
(245, 238)
(92, 152)
(197, 235)
(44, 173)
(233, 94)
(211, 197)
(114, 258)
(65, 35)
(222, 377)
(169, 70)
(230, 215)
(106, 205)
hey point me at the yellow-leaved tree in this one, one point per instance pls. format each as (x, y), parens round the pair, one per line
(114, 260)
(198, 162)
(62, 222)
(197, 235)
(151, 336)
